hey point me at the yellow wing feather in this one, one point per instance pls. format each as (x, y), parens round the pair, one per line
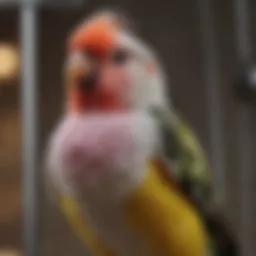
(170, 224)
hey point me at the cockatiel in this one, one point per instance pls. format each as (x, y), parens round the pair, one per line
(129, 174)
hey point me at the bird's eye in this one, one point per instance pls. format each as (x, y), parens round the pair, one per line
(120, 56)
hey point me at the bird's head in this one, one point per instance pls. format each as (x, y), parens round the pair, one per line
(108, 68)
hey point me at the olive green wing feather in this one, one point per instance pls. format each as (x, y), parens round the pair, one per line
(190, 169)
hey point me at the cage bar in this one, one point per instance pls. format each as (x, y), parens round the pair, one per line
(213, 82)
(244, 139)
(29, 112)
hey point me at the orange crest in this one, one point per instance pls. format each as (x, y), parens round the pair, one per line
(97, 36)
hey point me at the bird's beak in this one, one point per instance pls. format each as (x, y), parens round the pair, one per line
(81, 83)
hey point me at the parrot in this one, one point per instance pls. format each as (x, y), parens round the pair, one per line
(126, 170)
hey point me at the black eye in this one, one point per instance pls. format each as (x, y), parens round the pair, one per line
(120, 56)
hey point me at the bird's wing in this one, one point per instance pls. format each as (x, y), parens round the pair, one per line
(185, 157)
(186, 165)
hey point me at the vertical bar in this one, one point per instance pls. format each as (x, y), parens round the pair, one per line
(213, 81)
(244, 138)
(29, 127)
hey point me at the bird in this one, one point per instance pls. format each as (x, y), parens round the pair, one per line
(126, 170)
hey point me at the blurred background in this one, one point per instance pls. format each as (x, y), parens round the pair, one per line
(175, 30)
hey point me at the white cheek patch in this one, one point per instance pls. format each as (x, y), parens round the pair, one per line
(157, 92)
(76, 59)
(144, 74)
(145, 87)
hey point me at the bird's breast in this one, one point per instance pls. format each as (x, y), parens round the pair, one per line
(98, 151)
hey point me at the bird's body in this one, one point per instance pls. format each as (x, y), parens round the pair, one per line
(129, 174)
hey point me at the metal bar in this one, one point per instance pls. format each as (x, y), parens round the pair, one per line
(244, 138)
(213, 81)
(29, 127)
